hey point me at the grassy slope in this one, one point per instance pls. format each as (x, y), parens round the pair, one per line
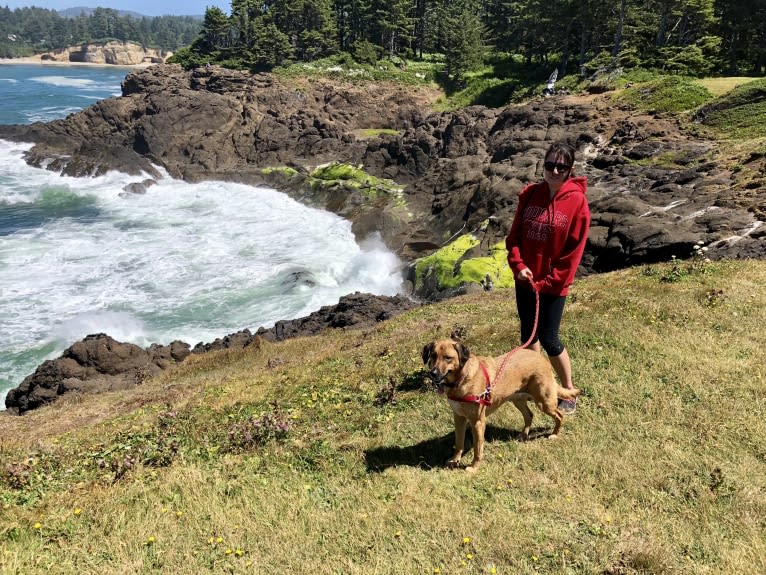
(662, 469)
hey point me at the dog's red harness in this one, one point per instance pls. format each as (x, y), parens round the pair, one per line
(485, 398)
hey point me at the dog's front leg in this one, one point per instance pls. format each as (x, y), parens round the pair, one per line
(460, 426)
(477, 430)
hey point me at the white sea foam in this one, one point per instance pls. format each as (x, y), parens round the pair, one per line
(182, 261)
(96, 98)
(64, 81)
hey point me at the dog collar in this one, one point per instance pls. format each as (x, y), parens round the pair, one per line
(485, 398)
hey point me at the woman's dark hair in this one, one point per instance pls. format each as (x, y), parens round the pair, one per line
(564, 150)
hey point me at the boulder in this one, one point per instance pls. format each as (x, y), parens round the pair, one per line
(95, 364)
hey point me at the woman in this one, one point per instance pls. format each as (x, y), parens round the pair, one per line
(545, 246)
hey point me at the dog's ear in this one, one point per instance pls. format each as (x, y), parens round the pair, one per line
(463, 353)
(428, 349)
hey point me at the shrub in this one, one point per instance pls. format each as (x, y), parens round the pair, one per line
(365, 52)
(257, 431)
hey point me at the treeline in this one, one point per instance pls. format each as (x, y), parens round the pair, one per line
(26, 31)
(695, 37)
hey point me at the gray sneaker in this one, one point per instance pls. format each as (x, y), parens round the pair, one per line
(567, 406)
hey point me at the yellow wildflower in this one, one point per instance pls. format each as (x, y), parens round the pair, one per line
(77, 511)
(38, 525)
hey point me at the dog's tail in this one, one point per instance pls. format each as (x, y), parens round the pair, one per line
(564, 393)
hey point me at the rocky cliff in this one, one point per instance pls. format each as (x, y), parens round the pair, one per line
(114, 53)
(654, 192)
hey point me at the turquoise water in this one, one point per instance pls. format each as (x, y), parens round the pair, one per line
(40, 93)
(183, 261)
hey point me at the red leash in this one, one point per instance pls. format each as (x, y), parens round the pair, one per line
(529, 341)
(486, 397)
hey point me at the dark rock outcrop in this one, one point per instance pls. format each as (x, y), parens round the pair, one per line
(94, 364)
(353, 310)
(459, 168)
(99, 363)
(654, 192)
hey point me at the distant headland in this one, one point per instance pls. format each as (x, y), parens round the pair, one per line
(113, 53)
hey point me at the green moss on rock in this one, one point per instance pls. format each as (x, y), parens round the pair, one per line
(449, 268)
(337, 173)
(284, 170)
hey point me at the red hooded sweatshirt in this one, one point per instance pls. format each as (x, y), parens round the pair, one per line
(548, 236)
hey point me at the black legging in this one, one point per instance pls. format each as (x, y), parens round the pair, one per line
(551, 311)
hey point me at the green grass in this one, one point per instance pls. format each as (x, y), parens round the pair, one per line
(720, 86)
(408, 72)
(372, 132)
(662, 469)
(665, 95)
(740, 113)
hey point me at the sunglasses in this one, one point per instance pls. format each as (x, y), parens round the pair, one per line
(560, 167)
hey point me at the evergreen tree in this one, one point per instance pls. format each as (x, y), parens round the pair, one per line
(395, 25)
(464, 47)
(272, 47)
(215, 34)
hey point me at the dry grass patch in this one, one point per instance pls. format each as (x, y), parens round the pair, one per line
(720, 86)
(325, 455)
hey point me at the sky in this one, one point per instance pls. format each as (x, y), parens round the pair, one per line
(145, 7)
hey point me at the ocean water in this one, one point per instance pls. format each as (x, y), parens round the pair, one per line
(183, 261)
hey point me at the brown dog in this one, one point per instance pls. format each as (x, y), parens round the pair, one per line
(473, 393)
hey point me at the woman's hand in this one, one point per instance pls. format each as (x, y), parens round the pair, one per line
(526, 276)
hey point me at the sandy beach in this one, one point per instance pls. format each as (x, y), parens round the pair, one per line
(37, 59)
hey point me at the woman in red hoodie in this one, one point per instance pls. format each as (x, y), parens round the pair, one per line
(545, 246)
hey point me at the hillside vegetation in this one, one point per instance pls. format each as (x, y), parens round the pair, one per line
(34, 30)
(325, 455)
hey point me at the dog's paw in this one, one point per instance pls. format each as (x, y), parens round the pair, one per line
(453, 463)
(473, 468)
